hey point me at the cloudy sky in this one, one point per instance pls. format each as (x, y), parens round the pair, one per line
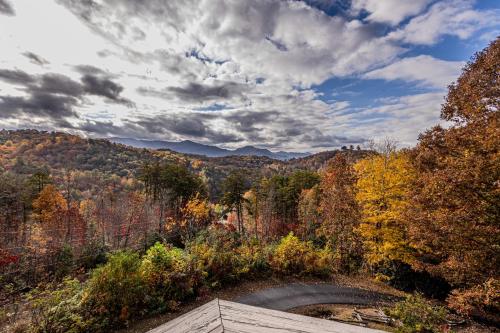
(294, 75)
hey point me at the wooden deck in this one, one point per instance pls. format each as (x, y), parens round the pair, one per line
(223, 316)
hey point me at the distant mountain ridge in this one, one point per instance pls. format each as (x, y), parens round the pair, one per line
(190, 147)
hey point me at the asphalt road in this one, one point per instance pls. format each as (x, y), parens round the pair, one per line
(299, 294)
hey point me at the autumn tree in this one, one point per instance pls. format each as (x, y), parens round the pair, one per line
(234, 186)
(455, 208)
(172, 186)
(299, 181)
(39, 180)
(383, 190)
(265, 193)
(309, 213)
(196, 216)
(339, 210)
(278, 198)
(50, 209)
(252, 209)
(14, 203)
(87, 211)
(135, 219)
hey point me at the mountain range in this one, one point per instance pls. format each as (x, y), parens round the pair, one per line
(190, 147)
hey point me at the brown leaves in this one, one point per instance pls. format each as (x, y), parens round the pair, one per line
(476, 95)
(454, 212)
(339, 210)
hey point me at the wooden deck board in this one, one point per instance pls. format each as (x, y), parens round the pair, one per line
(245, 319)
(220, 316)
(204, 319)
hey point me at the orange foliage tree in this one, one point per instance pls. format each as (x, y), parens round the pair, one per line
(339, 209)
(455, 209)
(50, 210)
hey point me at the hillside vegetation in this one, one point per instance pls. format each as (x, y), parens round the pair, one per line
(30, 151)
(95, 235)
(24, 151)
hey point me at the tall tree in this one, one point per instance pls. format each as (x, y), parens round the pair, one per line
(50, 209)
(234, 186)
(279, 200)
(383, 188)
(455, 208)
(309, 213)
(39, 180)
(252, 209)
(265, 194)
(14, 202)
(171, 185)
(196, 216)
(339, 209)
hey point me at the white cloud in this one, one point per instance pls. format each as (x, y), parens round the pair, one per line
(402, 118)
(390, 11)
(261, 37)
(456, 18)
(257, 58)
(427, 70)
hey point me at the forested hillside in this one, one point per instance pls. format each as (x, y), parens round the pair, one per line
(30, 151)
(94, 234)
(24, 151)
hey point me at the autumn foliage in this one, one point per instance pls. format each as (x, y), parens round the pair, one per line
(340, 211)
(383, 194)
(454, 216)
(147, 230)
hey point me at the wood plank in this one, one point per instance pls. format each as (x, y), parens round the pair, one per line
(240, 318)
(204, 319)
(220, 316)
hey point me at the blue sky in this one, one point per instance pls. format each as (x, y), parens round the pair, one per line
(284, 75)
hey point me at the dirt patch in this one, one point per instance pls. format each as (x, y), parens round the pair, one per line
(343, 313)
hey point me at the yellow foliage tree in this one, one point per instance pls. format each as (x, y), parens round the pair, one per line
(50, 209)
(49, 204)
(196, 215)
(383, 187)
(252, 210)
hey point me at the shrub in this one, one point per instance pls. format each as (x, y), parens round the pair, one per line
(325, 261)
(418, 315)
(116, 290)
(169, 275)
(93, 254)
(12, 300)
(63, 262)
(252, 259)
(479, 301)
(216, 264)
(128, 286)
(59, 310)
(294, 257)
(213, 254)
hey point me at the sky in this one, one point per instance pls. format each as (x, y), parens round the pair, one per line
(284, 75)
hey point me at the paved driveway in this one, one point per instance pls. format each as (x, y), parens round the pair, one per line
(301, 294)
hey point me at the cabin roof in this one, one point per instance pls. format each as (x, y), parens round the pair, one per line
(220, 316)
